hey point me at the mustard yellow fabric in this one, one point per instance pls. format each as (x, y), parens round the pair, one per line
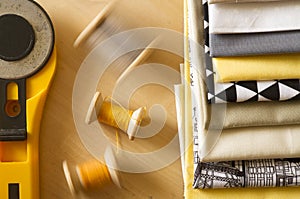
(267, 67)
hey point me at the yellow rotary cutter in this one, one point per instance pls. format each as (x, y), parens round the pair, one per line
(27, 65)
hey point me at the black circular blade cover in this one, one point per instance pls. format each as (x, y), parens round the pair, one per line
(16, 37)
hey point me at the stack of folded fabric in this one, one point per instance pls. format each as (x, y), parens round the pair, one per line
(241, 112)
(255, 50)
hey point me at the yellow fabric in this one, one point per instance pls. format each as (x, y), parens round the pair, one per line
(267, 67)
(189, 192)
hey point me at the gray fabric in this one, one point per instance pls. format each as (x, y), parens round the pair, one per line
(246, 44)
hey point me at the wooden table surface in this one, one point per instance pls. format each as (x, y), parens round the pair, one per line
(59, 139)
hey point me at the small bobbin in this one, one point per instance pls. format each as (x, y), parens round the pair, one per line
(131, 125)
(147, 51)
(83, 177)
(90, 28)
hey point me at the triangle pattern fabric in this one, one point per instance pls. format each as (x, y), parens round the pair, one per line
(262, 98)
(272, 92)
(297, 97)
(251, 85)
(293, 83)
(253, 99)
(220, 88)
(210, 96)
(287, 92)
(205, 24)
(209, 72)
(206, 49)
(208, 62)
(244, 94)
(231, 94)
(219, 100)
(228, 94)
(263, 85)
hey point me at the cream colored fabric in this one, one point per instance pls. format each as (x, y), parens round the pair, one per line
(249, 114)
(268, 67)
(254, 143)
(254, 17)
(179, 93)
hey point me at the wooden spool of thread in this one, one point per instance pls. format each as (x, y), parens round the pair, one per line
(115, 115)
(139, 59)
(92, 175)
(90, 28)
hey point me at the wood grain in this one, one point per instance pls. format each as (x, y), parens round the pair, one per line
(58, 136)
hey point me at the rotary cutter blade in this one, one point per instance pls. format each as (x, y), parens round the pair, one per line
(27, 65)
(26, 39)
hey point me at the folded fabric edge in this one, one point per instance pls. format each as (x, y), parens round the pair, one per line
(264, 68)
(254, 44)
(248, 173)
(226, 18)
(179, 96)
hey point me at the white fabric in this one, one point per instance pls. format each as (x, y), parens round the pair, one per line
(179, 93)
(254, 17)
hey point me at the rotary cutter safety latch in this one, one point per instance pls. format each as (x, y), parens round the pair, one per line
(26, 43)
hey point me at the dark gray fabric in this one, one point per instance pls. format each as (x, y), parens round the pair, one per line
(247, 44)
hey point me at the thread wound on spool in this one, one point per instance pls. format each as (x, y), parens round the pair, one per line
(117, 141)
(114, 115)
(93, 174)
(110, 112)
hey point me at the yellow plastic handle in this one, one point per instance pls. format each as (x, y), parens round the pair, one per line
(19, 160)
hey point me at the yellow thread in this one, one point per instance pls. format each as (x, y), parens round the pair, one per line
(117, 142)
(114, 115)
(93, 174)
(1, 151)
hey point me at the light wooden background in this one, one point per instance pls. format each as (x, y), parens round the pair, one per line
(58, 137)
